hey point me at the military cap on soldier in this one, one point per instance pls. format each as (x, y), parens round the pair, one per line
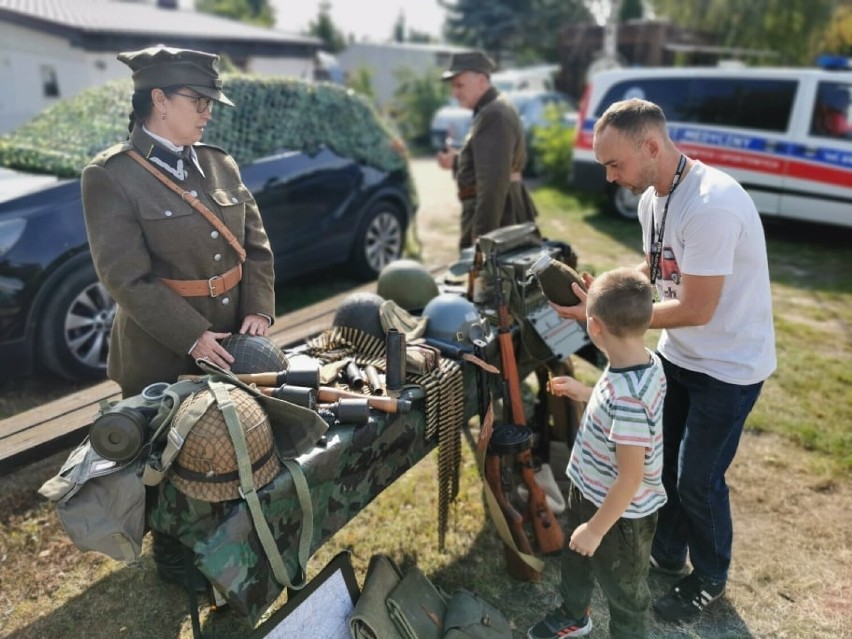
(161, 66)
(475, 61)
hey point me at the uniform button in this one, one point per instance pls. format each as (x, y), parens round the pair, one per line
(167, 213)
(194, 193)
(214, 234)
(234, 200)
(226, 300)
(217, 257)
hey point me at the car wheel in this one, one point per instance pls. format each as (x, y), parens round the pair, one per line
(75, 327)
(622, 202)
(379, 241)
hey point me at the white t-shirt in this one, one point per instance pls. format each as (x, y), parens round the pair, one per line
(713, 228)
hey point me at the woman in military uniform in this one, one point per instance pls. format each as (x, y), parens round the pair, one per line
(180, 285)
(182, 282)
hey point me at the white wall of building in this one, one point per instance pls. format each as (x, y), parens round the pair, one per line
(292, 67)
(29, 58)
(385, 60)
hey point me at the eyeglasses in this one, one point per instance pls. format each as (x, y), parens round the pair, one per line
(201, 103)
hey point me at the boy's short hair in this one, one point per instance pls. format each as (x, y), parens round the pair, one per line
(623, 300)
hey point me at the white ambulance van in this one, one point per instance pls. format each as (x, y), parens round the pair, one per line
(784, 134)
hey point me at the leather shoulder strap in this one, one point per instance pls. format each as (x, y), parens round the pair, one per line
(193, 201)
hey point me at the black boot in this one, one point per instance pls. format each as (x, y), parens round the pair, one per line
(169, 555)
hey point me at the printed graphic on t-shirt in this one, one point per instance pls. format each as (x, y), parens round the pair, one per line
(670, 278)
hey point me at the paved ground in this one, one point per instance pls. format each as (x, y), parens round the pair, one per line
(438, 215)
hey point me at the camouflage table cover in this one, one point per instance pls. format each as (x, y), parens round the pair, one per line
(354, 465)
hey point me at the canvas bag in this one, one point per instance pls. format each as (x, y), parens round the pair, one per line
(393, 606)
(100, 503)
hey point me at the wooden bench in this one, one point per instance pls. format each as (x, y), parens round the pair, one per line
(51, 427)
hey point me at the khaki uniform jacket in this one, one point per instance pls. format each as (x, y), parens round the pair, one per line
(140, 231)
(488, 170)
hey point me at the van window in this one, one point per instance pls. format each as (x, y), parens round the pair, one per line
(832, 116)
(765, 105)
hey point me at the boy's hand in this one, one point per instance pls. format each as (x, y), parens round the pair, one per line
(584, 541)
(569, 387)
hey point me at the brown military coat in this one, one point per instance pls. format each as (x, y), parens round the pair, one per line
(140, 231)
(488, 170)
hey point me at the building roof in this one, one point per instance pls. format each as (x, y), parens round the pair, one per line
(100, 25)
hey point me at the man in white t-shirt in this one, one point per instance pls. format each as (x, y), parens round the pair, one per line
(706, 256)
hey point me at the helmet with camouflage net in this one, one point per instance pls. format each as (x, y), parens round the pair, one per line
(455, 319)
(408, 283)
(206, 466)
(254, 354)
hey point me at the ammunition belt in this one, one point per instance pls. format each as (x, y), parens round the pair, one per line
(444, 389)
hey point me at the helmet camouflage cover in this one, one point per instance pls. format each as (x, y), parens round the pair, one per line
(206, 466)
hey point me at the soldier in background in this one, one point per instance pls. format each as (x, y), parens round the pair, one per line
(488, 167)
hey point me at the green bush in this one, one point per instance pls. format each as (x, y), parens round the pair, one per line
(553, 146)
(273, 114)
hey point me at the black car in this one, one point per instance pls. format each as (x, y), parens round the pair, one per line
(345, 197)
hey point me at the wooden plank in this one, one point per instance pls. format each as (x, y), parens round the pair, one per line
(44, 430)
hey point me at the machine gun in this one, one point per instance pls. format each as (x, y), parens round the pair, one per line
(517, 567)
(548, 534)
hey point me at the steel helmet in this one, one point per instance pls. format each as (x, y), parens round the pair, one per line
(455, 319)
(408, 283)
(254, 354)
(206, 466)
(361, 311)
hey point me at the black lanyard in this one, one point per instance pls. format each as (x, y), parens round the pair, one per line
(657, 246)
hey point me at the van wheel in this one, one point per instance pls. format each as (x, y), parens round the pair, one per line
(75, 327)
(623, 203)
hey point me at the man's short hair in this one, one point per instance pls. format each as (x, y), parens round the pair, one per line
(623, 300)
(632, 117)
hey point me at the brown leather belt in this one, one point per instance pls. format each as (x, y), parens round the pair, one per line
(214, 287)
(469, 191)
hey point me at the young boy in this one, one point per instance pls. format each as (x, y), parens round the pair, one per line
(615, 466)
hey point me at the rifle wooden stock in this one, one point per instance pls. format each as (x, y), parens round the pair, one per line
(517, 567)
(548, 533)
(327, 394)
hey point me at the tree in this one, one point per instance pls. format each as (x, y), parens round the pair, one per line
(325, 29)
(251, 11)
(790, 28)
(525, 28)
(837, 38)
(399, 28)
(631, 10)
(415, 100)
(361, 81)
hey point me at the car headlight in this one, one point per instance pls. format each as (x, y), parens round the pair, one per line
(10, 233)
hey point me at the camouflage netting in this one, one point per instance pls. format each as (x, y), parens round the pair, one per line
(273, 114)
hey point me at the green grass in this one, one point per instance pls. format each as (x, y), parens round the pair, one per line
(808, 398)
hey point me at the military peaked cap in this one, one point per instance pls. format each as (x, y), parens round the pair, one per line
(470, 61)
(162, 66)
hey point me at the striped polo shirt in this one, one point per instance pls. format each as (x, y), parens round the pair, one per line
(626, 407)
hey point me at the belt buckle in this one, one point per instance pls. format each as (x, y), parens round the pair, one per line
(211, 285)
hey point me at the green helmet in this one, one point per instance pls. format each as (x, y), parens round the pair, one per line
(455, 319)
(361, 311)
(407, 283)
